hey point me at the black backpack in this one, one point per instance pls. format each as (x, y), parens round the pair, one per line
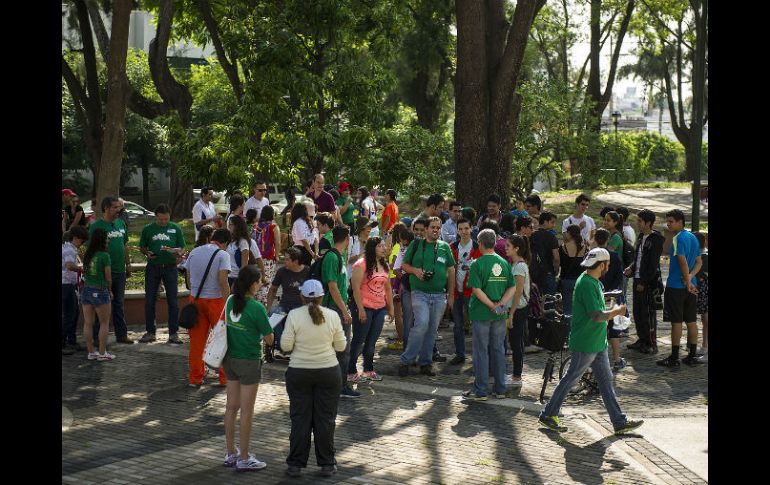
(317, 266)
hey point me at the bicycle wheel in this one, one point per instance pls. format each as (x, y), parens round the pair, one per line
(580, 385)
(547, 376)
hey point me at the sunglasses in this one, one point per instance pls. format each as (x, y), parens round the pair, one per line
(261, 190)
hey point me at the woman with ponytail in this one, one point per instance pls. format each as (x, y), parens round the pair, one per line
(313, 335)
(247, 325)
(517, 248)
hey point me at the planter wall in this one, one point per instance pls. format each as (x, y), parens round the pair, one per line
(133, 307)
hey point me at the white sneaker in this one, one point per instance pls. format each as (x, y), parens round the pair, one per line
(701, 351)
(532, 349)
(105, 356)
(93, 355)
(516, 382)
(231, 459)
(705, 357)
(249, 465)
(508, 379)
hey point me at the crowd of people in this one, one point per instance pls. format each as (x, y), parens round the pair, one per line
(352, 261)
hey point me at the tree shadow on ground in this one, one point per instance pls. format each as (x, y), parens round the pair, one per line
(584, 463)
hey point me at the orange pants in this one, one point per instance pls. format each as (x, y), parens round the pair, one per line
(209, 310)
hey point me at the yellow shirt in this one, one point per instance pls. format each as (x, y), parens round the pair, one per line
(391, 259)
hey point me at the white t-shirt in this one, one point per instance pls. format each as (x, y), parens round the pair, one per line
(354, 249)
(201, 211)
(254, 248)
(300, 231)
(69, 254)
(522, 269)
(400, 257)
(231, 250)
(252, 203)
(467, 260)
(586, 231)
(629, 234)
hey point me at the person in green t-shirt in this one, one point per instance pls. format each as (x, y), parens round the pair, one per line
(492, 286)
(117, 233)
(345, 203)
(162, 242)
(97, 293)
(588, 345)
(247, 326)
(431, 268)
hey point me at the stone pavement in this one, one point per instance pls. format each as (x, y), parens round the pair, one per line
(134, 420)
(659, 201)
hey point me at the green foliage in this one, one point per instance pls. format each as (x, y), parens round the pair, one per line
(639, 157)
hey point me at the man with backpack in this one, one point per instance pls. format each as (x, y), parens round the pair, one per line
(545, 254)
(330, 270)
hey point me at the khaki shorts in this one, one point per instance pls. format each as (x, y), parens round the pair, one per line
(245, 371)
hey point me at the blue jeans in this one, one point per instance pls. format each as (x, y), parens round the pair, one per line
(118, 317)
(408, 314)
(578, 364)
(459, 324)
(365, 335)
(70, 313)
(488, 343)
(567, 289)
(428, 308)
(549, 284)
(153, 275)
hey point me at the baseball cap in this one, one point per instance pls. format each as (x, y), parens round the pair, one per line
(68, 193)
(344, 186)
(312, 289)
(594, 255)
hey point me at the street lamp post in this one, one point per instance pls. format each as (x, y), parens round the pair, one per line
(615, 120)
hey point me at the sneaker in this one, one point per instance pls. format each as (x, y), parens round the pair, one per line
(635, 346)
(294, 471)
(532, 349)
(516, 382)
(628, 426)
(619, 364)
(439, 358)
(457, 360)
(692, 361)
(552, 423)
(124, 340)
(356, 378)
(231, 458)
(403, 370)
(508, 379)
(146, 338)
(705, 358)
(67, 350)
(498, 395)
(372, 376)
(508, 351)
(278, 355)
(701, 352)
(328, 470)
(250, 464)
(348, 392)
(669, 361)
(472, 396)
(105, 356)
(93, 355)
(427, 370)
(397, 345)
(174, 339)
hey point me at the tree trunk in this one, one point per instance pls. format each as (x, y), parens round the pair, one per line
(490, 51)
(108, 182)
(180, 194)
(145, 183)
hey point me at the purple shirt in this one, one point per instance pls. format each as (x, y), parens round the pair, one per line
(324, 202)
(500, 249)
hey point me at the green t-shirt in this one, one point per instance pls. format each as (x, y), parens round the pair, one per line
(153, 237)
(95, 275)
(117, 235)
(585, 334)
(436, 257)
(492, 274)
(615, 243)
(347, 217)
(245, 332)
(331, 271)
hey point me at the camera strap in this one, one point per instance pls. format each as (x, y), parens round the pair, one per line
(435, 254)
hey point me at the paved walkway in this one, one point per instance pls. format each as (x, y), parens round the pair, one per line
(134, 420)
(659, 201)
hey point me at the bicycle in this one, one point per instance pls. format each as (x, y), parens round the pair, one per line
(550, 331)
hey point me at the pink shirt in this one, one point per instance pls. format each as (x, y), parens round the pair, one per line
(372, 289)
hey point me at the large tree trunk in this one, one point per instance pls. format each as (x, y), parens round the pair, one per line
(108, 182)
(180, 194)
(145, 183)
(489, 57)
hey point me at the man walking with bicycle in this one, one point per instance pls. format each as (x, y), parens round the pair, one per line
(588, 344)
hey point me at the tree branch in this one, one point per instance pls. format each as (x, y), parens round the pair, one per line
(231, 69)
(616, 55)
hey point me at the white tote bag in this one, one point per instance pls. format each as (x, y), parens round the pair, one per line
(620, 322)
(216, 344)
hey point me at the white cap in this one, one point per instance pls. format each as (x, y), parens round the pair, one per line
(594, 255)
(312, 289)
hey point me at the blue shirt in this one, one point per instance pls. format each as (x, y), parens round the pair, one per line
(518, 213)
(684, 244)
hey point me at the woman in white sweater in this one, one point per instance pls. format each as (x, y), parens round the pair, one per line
(313, 335)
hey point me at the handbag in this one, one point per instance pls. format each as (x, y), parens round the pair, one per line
(216, 343)
(188, 316)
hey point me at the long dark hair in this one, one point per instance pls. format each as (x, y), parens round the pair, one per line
(370, 256)
(98, 242)
(240, 231)
(574, 232)
(246, 278)
(299, 211)
(267, 214)
(521, 243)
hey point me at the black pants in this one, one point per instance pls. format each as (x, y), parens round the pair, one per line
(343, 358)
(313, 398)
(645, 316)
(516, 339)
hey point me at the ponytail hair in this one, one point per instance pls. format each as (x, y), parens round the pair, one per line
(521, 243)
(246, 278)
(314, 308)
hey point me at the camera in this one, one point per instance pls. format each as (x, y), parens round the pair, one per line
(465, 267)
(427, 275)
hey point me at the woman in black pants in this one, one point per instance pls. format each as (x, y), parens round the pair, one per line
(517, 248)
(313, 335)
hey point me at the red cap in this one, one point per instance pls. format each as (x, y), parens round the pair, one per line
(68, 193)
(344, 186)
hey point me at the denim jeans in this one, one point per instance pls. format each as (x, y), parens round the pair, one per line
(488, 345)
(118, 317)
(408, 314)
(548, 286)
(459, 324)
(578, 364)
(365, 335)
(153, 275)
(70, 313)
(428, 309)
(567, 289)
(343, 358)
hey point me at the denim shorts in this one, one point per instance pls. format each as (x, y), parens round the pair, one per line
(94, 296)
